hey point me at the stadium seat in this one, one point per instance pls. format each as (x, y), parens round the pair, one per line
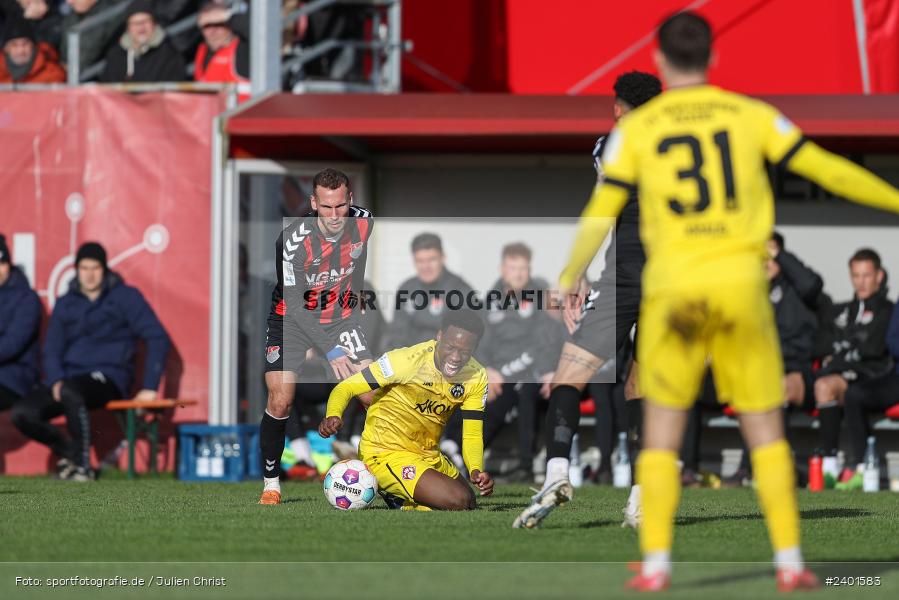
(132, 425)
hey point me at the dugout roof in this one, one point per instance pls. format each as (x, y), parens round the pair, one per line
(358, 127)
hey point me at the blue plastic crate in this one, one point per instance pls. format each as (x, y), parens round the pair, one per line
(233, 452)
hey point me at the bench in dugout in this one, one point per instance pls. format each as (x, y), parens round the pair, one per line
(132, 424)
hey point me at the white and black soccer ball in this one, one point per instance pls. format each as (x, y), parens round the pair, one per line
(349, 485)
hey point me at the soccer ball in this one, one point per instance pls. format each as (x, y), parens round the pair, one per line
(349, 485)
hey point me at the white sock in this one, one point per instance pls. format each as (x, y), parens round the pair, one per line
(271, 483)
(656, 562)
(354, 440)
(634, 498)
(301, 450)
(789, 558)
(556, 469)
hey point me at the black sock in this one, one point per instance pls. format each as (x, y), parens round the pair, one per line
(633, 411)
(271, 444)
(562, 421)
(831, 418)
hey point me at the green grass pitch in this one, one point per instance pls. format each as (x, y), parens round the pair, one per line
(305, 549)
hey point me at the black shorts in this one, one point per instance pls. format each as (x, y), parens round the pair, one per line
(286, 344)
(609, 315)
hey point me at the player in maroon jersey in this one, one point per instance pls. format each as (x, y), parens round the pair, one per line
(315, 305)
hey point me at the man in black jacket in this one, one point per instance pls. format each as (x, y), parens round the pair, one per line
(20, 319)
(143, 53)
(794, 293)
(859, 353)
(421, 300)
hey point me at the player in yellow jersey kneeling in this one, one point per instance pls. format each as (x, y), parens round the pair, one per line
(416, 389)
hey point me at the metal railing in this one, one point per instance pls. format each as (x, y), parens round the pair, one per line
(386, 50)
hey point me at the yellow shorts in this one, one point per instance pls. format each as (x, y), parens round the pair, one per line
(398, 471)
(732, 329)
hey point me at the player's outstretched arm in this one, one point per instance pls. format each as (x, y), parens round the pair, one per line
(340, 398)
(843, 177)
(596, 221)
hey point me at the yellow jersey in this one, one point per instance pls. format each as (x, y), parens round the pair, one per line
(413, 401)
(696, 158)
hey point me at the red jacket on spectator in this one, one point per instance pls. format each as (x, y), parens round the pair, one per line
(44, 69)
(221, 68)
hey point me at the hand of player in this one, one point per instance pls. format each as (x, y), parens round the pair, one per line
(329, 426)
(342, 366)
(483, 481)
(571, 311)
(495, 381)
(57, 391)
(546, 385)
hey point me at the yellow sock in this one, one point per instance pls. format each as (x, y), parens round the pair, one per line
(659, 481)
(775, 479)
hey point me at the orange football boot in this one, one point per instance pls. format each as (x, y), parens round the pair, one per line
(270, 497)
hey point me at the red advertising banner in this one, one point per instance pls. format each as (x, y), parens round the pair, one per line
(132, 172)
(764, 47)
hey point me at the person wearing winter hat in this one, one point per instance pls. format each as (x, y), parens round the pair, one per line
(144, 52)
(20, 320)
(88, 359)
(24, 59)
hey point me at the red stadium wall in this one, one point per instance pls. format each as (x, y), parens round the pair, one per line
(535, 47)
(132, 172)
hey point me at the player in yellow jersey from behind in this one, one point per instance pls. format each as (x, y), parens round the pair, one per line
(416, 389)
(697, 154)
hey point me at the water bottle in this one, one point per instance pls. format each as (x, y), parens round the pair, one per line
(871, 478)
(217, 463)
(621, 471)
(816, 472)
(575, 474)
(204, 468)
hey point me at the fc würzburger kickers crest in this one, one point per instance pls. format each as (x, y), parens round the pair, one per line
(457, 390)
(272, 353)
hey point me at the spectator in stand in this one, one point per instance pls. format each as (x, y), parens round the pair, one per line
(520, 348)
(144, 53)
(24, 59)
(20, 320)
(860, 354)
(43, 15)
(88, 359)
(421, 300)
(96, 41)
(875, 395)
(222, 57)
